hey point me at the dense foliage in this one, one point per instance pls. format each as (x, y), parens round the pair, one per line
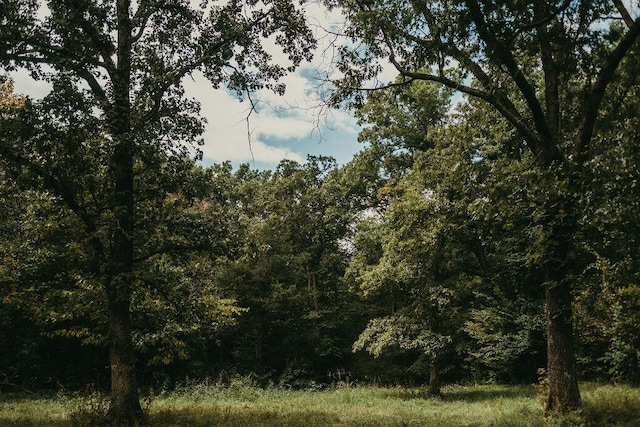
(117, 106)
(280, 275)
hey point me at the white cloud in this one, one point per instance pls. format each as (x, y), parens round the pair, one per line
(236, 133)
(229, 136)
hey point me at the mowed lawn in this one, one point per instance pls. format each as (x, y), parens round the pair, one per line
(242, 406)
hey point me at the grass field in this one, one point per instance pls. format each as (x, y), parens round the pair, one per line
(243, 406)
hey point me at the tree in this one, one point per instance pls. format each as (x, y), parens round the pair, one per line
(117, 73)
(422, 277)
(545, 66)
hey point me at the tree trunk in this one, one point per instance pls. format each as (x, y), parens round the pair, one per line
(561, 362)
(125, 407)
(434, 379)
(563, 395)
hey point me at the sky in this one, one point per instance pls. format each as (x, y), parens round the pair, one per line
(282, 127)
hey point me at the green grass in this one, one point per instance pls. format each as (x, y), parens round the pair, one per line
(27, 411)
(204, 405)
(362, 406)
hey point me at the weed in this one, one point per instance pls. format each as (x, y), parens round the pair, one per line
(90, 410)
(542, 387)
(607, 405)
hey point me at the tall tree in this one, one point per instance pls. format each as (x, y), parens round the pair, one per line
(117, 66)
(455, 177)
(543, 65)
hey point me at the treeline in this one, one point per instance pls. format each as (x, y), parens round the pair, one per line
(415, 263)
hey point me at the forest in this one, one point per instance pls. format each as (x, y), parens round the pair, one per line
(487, 232)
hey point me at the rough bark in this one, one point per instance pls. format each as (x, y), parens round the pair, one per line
(563, 394)
(125, 409)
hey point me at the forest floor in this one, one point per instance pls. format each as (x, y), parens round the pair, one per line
(241, 405)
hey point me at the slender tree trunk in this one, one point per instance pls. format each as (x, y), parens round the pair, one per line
(434, 379)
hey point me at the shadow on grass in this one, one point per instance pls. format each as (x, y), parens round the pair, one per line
(27, 422)
(467, 394)
(481, 393)
(222, 417)
(21, 397)
(620, 412)
(257, 417)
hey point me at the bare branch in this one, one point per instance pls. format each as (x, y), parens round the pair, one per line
(6, 382)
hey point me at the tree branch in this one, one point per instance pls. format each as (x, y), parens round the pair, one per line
(51, 183)
(95, 86)
(550, 53)
(501, 54)
(596, 94)
(504, 106)
(141, 16)
(105, 48)
(6, 382)
(624, 12)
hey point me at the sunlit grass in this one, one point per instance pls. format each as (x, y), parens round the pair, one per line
(211, 405)
(28, 411)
